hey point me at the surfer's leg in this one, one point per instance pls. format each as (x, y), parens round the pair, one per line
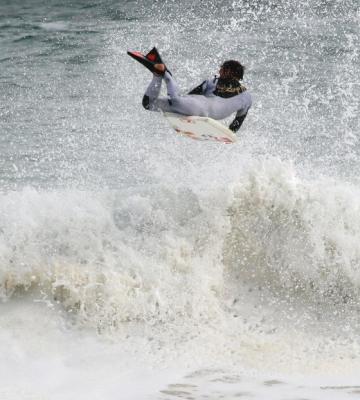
(186, 105)
(152, 93)
(172, 87)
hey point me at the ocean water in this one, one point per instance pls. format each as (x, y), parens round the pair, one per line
(137, 264)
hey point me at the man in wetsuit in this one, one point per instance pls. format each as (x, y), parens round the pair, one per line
(228, 85)
(216, 98)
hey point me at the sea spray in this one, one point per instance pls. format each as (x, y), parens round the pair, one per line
(295, 233)
(156, 255)
(113, 257)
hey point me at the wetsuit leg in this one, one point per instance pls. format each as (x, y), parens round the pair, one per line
(186, 105)
(171, 85)
(151, 100)
(152, 93)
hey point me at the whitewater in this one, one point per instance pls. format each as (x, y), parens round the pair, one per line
(138, 264)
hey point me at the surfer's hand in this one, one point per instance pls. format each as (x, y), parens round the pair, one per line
(159, 69)
(235, 125)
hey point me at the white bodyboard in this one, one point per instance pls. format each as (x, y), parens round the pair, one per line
(200, 128)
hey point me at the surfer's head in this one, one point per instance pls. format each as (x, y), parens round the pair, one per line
(228, 85)
(232, 69)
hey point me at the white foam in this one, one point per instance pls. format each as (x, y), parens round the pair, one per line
(239, 276)
(55, 362)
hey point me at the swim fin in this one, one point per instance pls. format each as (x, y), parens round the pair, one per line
(149, 60)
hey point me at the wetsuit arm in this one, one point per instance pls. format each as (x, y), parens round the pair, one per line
(199, 89)
(236, 124)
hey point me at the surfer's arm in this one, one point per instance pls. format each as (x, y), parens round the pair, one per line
(206, 88)
(236, 124)
(199, 89)
(243, 101)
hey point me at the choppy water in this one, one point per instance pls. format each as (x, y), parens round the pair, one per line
(243, 261)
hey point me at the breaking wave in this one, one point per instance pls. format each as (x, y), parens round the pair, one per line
(157, 254)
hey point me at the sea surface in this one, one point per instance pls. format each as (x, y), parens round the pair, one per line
(136, 264)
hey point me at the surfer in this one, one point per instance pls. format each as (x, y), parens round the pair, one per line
(216, 98)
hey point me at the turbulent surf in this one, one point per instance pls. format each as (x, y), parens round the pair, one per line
(131, 255)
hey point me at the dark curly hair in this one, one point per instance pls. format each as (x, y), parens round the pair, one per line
(233, 69)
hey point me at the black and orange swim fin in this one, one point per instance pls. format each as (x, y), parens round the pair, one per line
(149, 60)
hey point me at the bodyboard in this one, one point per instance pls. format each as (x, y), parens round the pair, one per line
(200, 128)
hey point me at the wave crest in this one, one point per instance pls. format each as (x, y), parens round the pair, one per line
(294, 233)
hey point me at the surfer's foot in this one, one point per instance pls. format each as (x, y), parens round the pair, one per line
(159, 69)
(152, 61)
